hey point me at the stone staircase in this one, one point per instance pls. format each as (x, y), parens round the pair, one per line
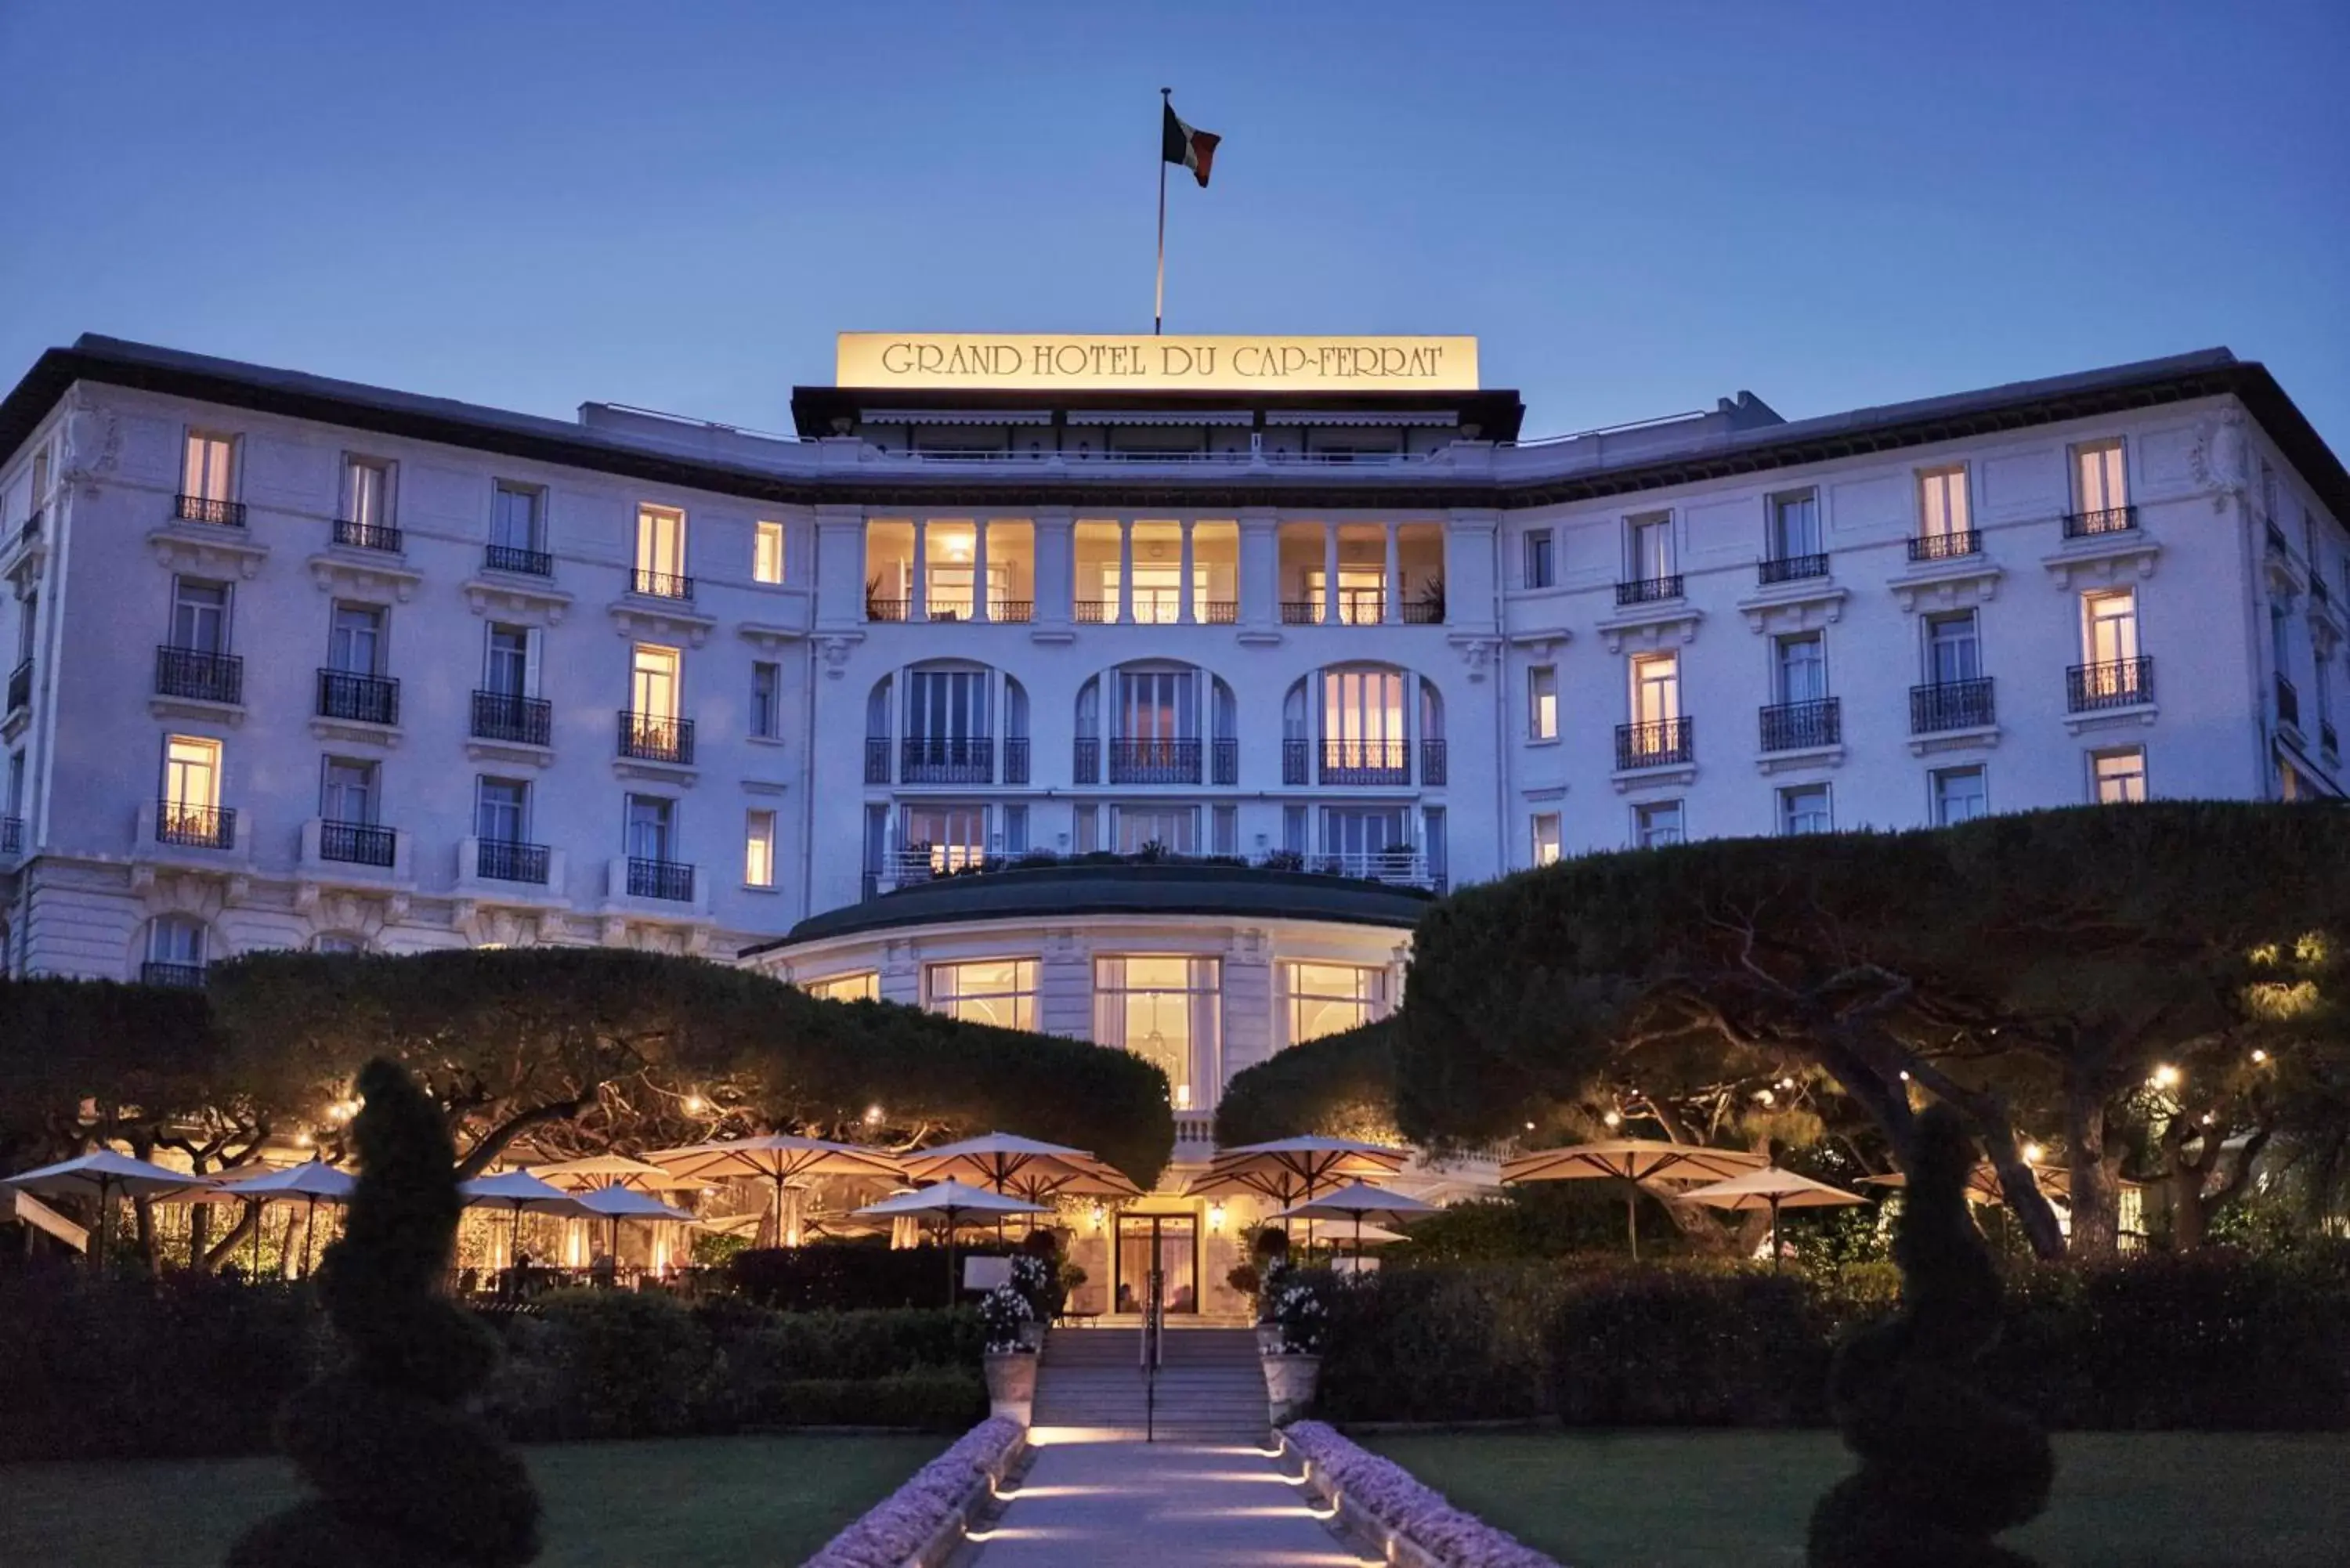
(1211, 1388)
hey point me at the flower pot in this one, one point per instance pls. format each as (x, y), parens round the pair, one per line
(1268, 1339)
(1289, 1384)
(1011, 1385)
(1032, 1335)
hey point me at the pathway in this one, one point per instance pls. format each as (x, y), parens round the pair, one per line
(1126, 1504)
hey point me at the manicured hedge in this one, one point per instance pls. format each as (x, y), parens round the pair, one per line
(848, 1276)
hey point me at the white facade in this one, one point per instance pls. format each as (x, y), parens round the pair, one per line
(469, 645)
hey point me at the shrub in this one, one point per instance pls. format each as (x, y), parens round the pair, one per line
(1666, 1347)
(843, 1276)
(934, 1399)
(1441, 1344)
(626, 1364)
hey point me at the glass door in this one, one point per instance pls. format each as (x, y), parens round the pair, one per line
(1172, 1241)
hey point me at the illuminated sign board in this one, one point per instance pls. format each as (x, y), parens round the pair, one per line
(1092, 362)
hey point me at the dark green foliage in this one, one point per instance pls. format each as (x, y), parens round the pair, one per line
(409, 1476)
(1944, 1466)
(1342, 1085)
(1434, 1345)
(143, 1053)
(1688, 1349)
(1536, 1220)
(624, 1364)
(930, 1399)
(846, 1276)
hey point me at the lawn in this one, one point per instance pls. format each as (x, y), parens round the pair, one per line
(1680, 1499)
(714, 1502)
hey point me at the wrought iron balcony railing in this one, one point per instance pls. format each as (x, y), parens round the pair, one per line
(876, 760)
(368, 698)
(20, 687)
(1135, 761)
(1648, 590)
(1085, 760)
(1791, 726)
(1951, 705)
(2275, 537)
(1433, 764)
(1790, 568)
(1423, 612)
(195, 827)
(959, 759)
(193, 673)
(1947, 546)
(358, 843)
(669, 880)
(11, 835)
(179, 976)
(2115, 683)
(1220, 612)
(367, 535)
(1016, 759)
(514, 558)
(656, 737)
(510, 860)
(888, 610)
(2106, 520)
(1224, 762)
(1295, 756)
(1015, 610)
(1365, 762)
(1655, 743)
(1300, 612)
(1095, 612)
(660, 585)
(2288, 704)
(204, 509)
(510, 717)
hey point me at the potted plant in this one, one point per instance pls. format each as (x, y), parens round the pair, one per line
(1010, 1360)
(1268, 1257)
(1035, 1278)
(1292, 1373)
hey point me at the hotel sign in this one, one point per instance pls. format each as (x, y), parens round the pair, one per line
(1054, 362)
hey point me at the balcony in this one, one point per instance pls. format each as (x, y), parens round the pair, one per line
(1095, 612)
(357, 697)
(508, 860)
(1801, 726)
(876, 760)
(1951, 705)
(1365, 762)
(961, 759)
(660, 584)
(1224, 762)
(515, 720)
(1295, 756)
(1300, 612)
(20, 687)
(1400, 864)
(2274, 538)
(1790, 568)
(353, 536)
(12, 836)
(1655, 743)
(198, 676)
(1648, 590)
(357, 844)
(1423, 612)
(656, 738)
(1015, 760)
(1085, 760)
(178, 976)
(1362, 606)
(514, 558)
(2110, 520)
(668, 879)
(1017, 611)
(194, 827)
(1951, 546)
(1220, 612)
(2317, 589)
(2117, 683)
(203, 509)
(1434, 765)
(1135, 761)
(2288, 704)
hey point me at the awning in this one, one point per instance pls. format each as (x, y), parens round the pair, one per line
(1430, 421)
(955, 416)
(1160, 417)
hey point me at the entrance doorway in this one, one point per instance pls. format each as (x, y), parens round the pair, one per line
(1174, 1240)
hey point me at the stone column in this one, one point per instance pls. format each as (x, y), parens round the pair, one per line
(1392, 607)
(1126, 571)
(840, 563)
(917, 594)
(979, 567)
(1183, 612)
(1259, 588)
(1329, 574)
(1055, 567)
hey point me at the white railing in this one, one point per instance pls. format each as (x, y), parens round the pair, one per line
(1222, 459)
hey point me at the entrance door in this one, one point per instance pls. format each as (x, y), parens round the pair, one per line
(1173, 1239)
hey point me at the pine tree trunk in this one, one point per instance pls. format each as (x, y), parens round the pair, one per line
(2096, 1202)
(2190, 1213)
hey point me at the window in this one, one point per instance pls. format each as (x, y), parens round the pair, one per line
(1803, 808)
(660, 541)
(1657, 823)
(15, 805)
(355, 640)
(502, 810)
(947, 704)
(192, 766)
(1541, 561)
(2118, 777)
(2268, 491)
(1318, 998)
(759, 849)
(767, 552)
(1960, 795)
(651, 827)
(27, 621)
(210, 471)
(1648, 548)
(1943, 503)
(334, 943)
(1001, 992)
(1165, 1010)
(1361, 839)
(1545, 835)
(2098, 482)
(1800, 666)
(1016, 827)
(1157, 705)
(1794, 525)
(2280, 639)
(767, 687)
(2109, 627)
(518, 516)
(1173, 828)
(347, 791)
(199, 615)
(511, 669)
(865, 985)
(367, 492)
(653, 682)
(1656, 688)
(949, 835)
(1542, 703)
(1225, 835)
(1953, 652)
(176, 940)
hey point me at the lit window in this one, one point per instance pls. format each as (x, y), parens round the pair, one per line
(2098, 484)
(210, 471)
(998, 992)
(1546, 826)
(1960, 795)
(1165, 1010)
(1320, 999)
(865, 985)
(660, 547)
(191, 767)
(367, 493)
(1803, 808)
(1657, 824)
(1542, 703)
(759, 848)
(767, 552)
(1943, 503)
(2118, 777)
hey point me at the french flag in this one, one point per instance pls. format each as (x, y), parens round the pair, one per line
(1180, 143)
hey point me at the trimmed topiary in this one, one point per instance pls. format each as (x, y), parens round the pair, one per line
(409, 1477)
(1943, 1466)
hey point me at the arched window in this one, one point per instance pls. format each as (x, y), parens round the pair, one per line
(1016, 732)
(1363, 725)
(1086, 761)
(1296, 735)
(947, 735)
(1433, 764)
(1224, 761)
(877, 732)
(337, 942)
(177, 950)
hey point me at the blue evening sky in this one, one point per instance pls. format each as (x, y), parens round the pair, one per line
(1637, 207)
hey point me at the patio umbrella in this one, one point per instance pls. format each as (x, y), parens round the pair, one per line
(1008, 1162)
(781, 1158)
(1632, 1161)
(1982, 1183)
(1361, 1201)
(314, 1181)
(617, 1203)
(1292, 1167)
(520, 1191)
(948, 1200)
(104, 1175)
(610, 1170)
(1770, 1188)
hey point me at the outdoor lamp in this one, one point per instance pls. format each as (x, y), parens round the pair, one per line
(1216, 1215)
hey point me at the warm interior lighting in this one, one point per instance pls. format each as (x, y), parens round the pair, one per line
(695, 1105)
(2032, 1153)
(2258, 1056)
(1611, 1118)
(1216, 1216)
(872, 1115)
(2166, 1076)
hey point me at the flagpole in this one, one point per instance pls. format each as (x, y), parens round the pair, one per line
(1158, 299)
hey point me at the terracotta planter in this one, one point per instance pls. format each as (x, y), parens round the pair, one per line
(1011, 1385)
(1268, 1339)
(1289, 1384)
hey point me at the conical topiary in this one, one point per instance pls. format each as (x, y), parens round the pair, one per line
(409, 1477)
(1943, 1466)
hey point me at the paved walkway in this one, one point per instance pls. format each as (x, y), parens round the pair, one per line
(1129, 1505)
